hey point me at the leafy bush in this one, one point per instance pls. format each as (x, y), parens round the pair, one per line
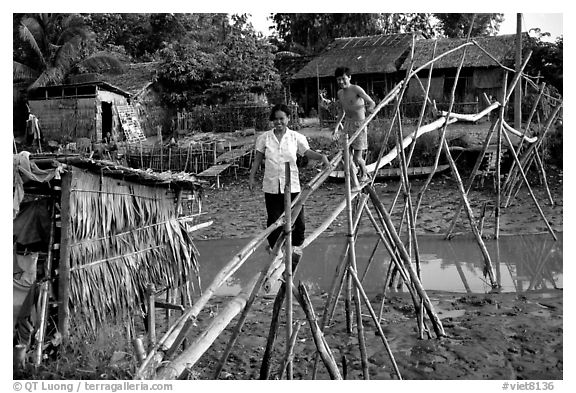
(553, 145)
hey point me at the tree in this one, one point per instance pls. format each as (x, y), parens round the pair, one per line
(310, 33)
(406, 23)
(245, 63)
(53, 46)
(547, 60)
(457, 25)
(218, 60)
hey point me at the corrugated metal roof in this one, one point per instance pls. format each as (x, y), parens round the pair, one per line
(502, 48)
(363, 55)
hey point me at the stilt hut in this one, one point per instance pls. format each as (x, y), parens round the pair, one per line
(103, 234)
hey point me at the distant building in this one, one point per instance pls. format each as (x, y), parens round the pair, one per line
(78, 110)
(373, 60)
(379, 62)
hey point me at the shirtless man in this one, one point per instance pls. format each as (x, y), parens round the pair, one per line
(352, 100)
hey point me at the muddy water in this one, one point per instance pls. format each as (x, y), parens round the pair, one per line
(520, 263)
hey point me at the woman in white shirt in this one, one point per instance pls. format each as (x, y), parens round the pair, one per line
(276, 147)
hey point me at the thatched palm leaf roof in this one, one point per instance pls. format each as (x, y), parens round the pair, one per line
(363, 55)
(136, 77)
(502, 47)
(111, 169)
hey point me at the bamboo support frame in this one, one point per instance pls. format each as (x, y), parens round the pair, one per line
(439, 330)
(314, 184)
(534, 147)
(529, 188)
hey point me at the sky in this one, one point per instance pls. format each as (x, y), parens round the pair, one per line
(551, 23)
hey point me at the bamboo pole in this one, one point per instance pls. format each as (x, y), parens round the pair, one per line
(498, 158)
(265, 273)
(487, 262)
(337, 281)
(265, 366)
(536, 146)
(321, 345)
(375, 319)
(288, 264)
(526, 129)
(544, 180)
(348, 302)
(352, 262)
(470, 181)
(439, 330)
(198, 347)
(290, 349)
(529, 188)
(370, 259)
(177, 331)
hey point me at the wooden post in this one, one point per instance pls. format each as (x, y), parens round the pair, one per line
(352, 260)
(499, 160)
(288, 262)
(151, 315)
(518, 63)
(64, 260)
(45, 289)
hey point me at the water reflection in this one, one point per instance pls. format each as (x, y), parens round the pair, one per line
(521, 263)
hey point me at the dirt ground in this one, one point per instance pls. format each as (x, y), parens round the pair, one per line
(488, 336)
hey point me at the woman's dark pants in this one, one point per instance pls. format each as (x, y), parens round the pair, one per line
(275, 208)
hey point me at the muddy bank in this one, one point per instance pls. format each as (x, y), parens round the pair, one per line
(489, 336)
(237, 212)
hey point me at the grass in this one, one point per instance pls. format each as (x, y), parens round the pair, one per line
(107, 355)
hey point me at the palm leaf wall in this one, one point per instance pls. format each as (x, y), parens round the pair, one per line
(123, 236)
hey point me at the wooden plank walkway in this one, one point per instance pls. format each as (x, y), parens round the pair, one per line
(215, 171)
(234, 154)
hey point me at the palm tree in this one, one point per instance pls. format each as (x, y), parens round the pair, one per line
(61, 44)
